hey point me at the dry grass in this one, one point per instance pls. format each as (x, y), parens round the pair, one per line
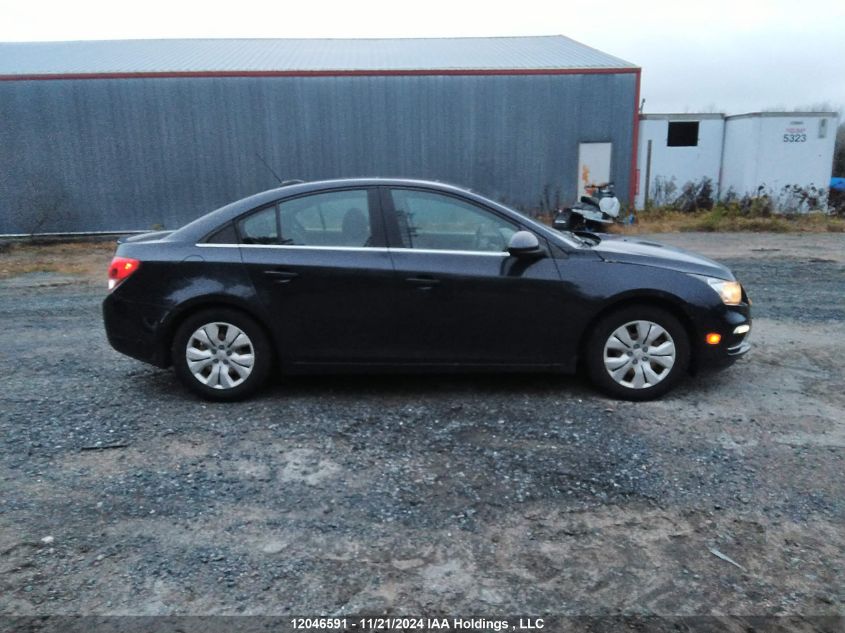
(724, 220)
(87, 259)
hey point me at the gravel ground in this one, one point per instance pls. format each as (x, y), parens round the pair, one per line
(435, 494)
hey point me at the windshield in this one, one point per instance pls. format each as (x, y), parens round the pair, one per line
(568, 237)
(577, 239)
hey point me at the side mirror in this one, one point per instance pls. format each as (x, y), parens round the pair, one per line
(524, 244)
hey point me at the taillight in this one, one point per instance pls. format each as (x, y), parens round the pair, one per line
(121, 268)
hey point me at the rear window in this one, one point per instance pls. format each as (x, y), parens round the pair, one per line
(261, 227)
(226, 235)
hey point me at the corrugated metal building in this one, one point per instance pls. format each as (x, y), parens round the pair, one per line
(128, 135)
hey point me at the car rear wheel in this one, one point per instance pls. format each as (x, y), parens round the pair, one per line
(221, 354)
(638, 353)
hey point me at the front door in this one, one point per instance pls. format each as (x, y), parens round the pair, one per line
(461, 297)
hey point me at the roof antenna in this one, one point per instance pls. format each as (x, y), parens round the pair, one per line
(270, 169)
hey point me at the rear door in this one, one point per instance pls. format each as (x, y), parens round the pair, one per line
(320, 265)
(463, 299)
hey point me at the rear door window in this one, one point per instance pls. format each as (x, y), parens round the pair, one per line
(334, 218)
(330, 219)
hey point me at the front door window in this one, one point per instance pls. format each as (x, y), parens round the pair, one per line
(432, 221)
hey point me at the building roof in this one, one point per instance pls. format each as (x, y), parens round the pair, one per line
(781, 115)
(482, 55)
(696, 116)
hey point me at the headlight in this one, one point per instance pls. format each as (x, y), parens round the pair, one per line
(729, 291)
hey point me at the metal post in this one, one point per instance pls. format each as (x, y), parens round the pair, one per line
(647, 175)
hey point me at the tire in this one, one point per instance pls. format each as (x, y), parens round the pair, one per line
(236, 369)
(622, 367)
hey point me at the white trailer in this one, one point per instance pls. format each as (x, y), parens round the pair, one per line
(676, 149)
(768, 151)
(745, 154)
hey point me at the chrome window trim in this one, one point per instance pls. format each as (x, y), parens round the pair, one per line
(435, 251)
(372, 249)
(299, 247)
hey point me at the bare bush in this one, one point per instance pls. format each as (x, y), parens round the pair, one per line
(695, 196)
(40, 206)
(663, 192)
(836, 203)
(801, 199)
(550, 201)
(839, 152)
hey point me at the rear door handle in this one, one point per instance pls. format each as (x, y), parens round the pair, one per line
(281, 276)
(423, 283)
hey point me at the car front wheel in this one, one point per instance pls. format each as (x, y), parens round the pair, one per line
(638, 353)
(221, 354)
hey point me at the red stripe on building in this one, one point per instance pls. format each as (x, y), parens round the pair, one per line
(321, 73)
(632, 186)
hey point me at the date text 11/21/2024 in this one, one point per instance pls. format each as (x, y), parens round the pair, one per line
(414, 623)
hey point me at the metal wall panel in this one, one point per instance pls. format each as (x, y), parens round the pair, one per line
(128, 154)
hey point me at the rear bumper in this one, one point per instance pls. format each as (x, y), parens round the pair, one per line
(135, 329)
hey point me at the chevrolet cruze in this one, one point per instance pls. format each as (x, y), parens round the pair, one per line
(377, 274)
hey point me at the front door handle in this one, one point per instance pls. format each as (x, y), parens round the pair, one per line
(423, 283)
(281, 276)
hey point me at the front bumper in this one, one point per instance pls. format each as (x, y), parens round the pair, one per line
(733, 324)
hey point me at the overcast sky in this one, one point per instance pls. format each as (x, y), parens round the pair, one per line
(719, 55)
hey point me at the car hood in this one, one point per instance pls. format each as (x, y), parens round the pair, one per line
(630, 250)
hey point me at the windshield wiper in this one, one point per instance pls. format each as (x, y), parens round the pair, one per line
(588, 238)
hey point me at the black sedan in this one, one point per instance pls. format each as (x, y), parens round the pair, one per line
(377, 274)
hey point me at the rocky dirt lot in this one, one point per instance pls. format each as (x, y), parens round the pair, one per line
(421, 495)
